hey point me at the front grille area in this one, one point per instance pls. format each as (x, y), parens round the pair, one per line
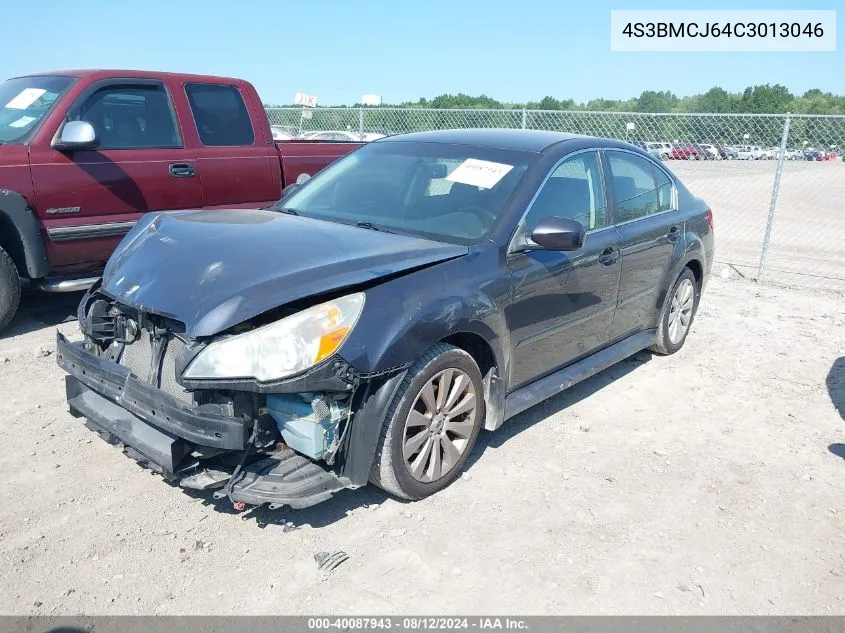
(168, 382)
(138, 357)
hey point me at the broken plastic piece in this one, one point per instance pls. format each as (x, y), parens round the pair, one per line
(327, 561)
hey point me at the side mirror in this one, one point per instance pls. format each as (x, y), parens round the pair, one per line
(76, 135)
(290, 189)
(558, 234)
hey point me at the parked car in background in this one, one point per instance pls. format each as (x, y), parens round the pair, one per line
(283, 133)
(340, 136)
(660, 149)
(749, 152)
(687, 151)
(711, 151)
(83, 154)
(729, 153)
(811, 153)
(271, 355)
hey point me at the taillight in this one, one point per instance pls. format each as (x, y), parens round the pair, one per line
(710, 218)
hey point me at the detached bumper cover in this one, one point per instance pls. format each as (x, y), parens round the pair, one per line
(163, 432)
(116, 384)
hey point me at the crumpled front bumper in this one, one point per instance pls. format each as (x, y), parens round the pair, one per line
(162, 433)
(115, 383)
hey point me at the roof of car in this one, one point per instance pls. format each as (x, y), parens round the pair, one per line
(525, 140)
(106, 73)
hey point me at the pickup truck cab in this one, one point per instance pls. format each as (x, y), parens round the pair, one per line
(84, 154)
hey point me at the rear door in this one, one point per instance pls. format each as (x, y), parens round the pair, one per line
(90, 198)
(240, 168)
(563, 302)
(649, 226)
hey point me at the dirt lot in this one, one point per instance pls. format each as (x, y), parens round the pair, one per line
(809, 226)
(707, 482)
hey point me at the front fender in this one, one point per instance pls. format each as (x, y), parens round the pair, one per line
(405, 316)
(16, 210)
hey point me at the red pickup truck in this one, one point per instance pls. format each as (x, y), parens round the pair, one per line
(83, 154)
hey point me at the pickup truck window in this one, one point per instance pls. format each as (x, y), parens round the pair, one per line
(220, 114)
(24, 101)
(130, 117)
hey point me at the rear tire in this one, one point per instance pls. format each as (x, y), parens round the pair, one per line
(678, 312)
(422, 448)
(10, 289)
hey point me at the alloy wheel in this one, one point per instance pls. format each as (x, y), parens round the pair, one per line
(439, 425)
(680, 311)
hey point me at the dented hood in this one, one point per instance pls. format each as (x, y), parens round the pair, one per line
(214, 269)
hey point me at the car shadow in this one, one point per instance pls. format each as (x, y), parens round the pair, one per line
(835, 382)
(42, 309)
(555, 404)
(347, 501)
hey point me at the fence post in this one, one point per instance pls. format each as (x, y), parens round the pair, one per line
(774, 200)
(361, 122)
(523, 118)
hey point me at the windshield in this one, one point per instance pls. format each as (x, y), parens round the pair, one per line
(24, 101)
(450, 193)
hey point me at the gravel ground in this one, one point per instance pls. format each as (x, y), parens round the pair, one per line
(706, 482)
(805, 249)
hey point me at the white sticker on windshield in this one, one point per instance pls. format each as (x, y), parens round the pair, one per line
(25, 98)
(22, 122)
(479, 173)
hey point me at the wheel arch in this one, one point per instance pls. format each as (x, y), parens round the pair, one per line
(21, 235)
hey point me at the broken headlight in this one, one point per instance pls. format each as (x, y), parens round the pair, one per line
(283, 348)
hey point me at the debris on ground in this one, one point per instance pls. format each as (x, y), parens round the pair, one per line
(327, 561)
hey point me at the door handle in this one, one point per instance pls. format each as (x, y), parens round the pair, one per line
(182, 170)
(674, 234)
(609, 256)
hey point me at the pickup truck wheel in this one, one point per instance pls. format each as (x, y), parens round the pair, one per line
(431, 425)
(10, 289)
(679, 310)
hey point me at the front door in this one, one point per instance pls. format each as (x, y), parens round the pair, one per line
(649, 226)
(90, 198)
(562, 303)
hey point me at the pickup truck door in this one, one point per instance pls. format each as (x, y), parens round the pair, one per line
(240, 168)
(88, 199)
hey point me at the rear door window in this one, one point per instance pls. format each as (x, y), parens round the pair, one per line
(634, 186)
(220, 115)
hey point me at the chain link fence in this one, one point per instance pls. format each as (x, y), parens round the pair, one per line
(776, 183)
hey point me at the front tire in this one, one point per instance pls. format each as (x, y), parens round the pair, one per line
(10, 289)
(431, 426)
(679, 310)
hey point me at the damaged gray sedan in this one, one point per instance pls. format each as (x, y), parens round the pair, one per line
(372, 323)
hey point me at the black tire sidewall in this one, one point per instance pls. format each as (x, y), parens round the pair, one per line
(10, 289)
(667, 344)
(453, 359)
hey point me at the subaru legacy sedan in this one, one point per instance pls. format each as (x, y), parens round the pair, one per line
(368, 327)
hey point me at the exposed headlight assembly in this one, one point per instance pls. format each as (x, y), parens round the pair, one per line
(283, 348)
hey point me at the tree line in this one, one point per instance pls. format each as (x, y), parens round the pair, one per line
(758, 99)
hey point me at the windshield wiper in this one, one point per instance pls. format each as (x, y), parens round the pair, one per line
(372, 227)
(287, 210)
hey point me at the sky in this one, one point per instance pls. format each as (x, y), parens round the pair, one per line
(511, 50)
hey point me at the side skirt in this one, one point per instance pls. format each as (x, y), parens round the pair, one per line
(544, 388)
